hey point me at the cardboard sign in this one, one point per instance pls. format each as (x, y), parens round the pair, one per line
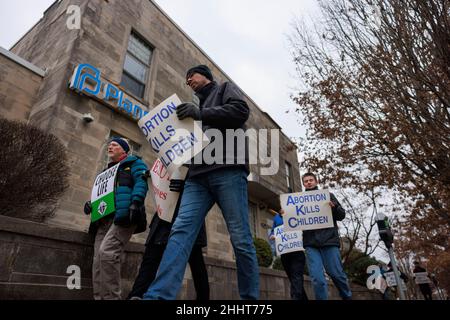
(391, 282)
(421, 278)
(287, 241)
(390, 279)
(102, 194)
(308, 210)
(175, 141)
(165, 199)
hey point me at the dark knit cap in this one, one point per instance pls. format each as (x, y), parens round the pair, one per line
(125, 146)
(201, 69)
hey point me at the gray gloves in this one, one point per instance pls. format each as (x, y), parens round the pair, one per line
(188, 110)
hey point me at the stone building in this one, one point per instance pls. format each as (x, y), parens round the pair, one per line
(140, 50)
(137, 48)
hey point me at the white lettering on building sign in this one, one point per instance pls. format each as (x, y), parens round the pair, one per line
(87, 80)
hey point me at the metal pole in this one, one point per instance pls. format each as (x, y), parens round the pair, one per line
(440, 293)
(401, 294)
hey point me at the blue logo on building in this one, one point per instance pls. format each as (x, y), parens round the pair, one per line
(86, 79)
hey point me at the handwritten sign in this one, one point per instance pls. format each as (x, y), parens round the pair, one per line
(165, 199)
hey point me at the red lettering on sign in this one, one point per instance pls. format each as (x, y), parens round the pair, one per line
(160, 194)
(160, 170)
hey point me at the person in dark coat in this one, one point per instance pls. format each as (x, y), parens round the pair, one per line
(425, 288)
(391, 292)
(322, 249)
(293, 263)
(212, 178)
(154, 249)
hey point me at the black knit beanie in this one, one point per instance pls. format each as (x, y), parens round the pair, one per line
(201, 69)
(125, 146)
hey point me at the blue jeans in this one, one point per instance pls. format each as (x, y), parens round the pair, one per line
(228, 188)
(330, 258)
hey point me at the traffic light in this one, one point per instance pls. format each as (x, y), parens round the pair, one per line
(384, 229)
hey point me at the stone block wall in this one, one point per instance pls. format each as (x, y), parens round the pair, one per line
(34, 259)
(18, 89)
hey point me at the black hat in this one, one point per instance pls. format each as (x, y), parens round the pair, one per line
(201, 69)
(122, 142)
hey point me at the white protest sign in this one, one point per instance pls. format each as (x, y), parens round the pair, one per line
(287, 241)
(102, 194)
(308, 210)
(165, 199)
(175, 141)
(391, 282)
(382, 285)
(390, 279)
(421, 277)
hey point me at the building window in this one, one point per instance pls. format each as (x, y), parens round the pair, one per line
(136, 66)
(289, 181)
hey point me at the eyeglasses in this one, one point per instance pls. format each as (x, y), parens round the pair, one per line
(188, 79)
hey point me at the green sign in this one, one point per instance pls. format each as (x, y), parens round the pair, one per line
(102, 195)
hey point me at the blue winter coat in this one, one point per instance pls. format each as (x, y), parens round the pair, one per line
(130, 186)
(277, 221)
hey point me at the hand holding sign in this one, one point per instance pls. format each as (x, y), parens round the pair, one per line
(175, 141)
(87, 208)
(166, 190)
(188, 110)
(176, 185)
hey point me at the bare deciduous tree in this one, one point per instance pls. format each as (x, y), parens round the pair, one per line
(34, 171)
(376, 100)
(358, 227)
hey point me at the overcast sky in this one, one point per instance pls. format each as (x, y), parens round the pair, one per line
(245, 38)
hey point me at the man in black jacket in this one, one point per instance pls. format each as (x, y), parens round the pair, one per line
(425, 288)
(222, 181)
(322, 249)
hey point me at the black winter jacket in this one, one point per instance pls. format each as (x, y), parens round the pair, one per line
(160, 229)
(223, 107)
(329, 236)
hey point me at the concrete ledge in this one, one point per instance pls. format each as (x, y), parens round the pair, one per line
(24, 63)
(34, 259)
